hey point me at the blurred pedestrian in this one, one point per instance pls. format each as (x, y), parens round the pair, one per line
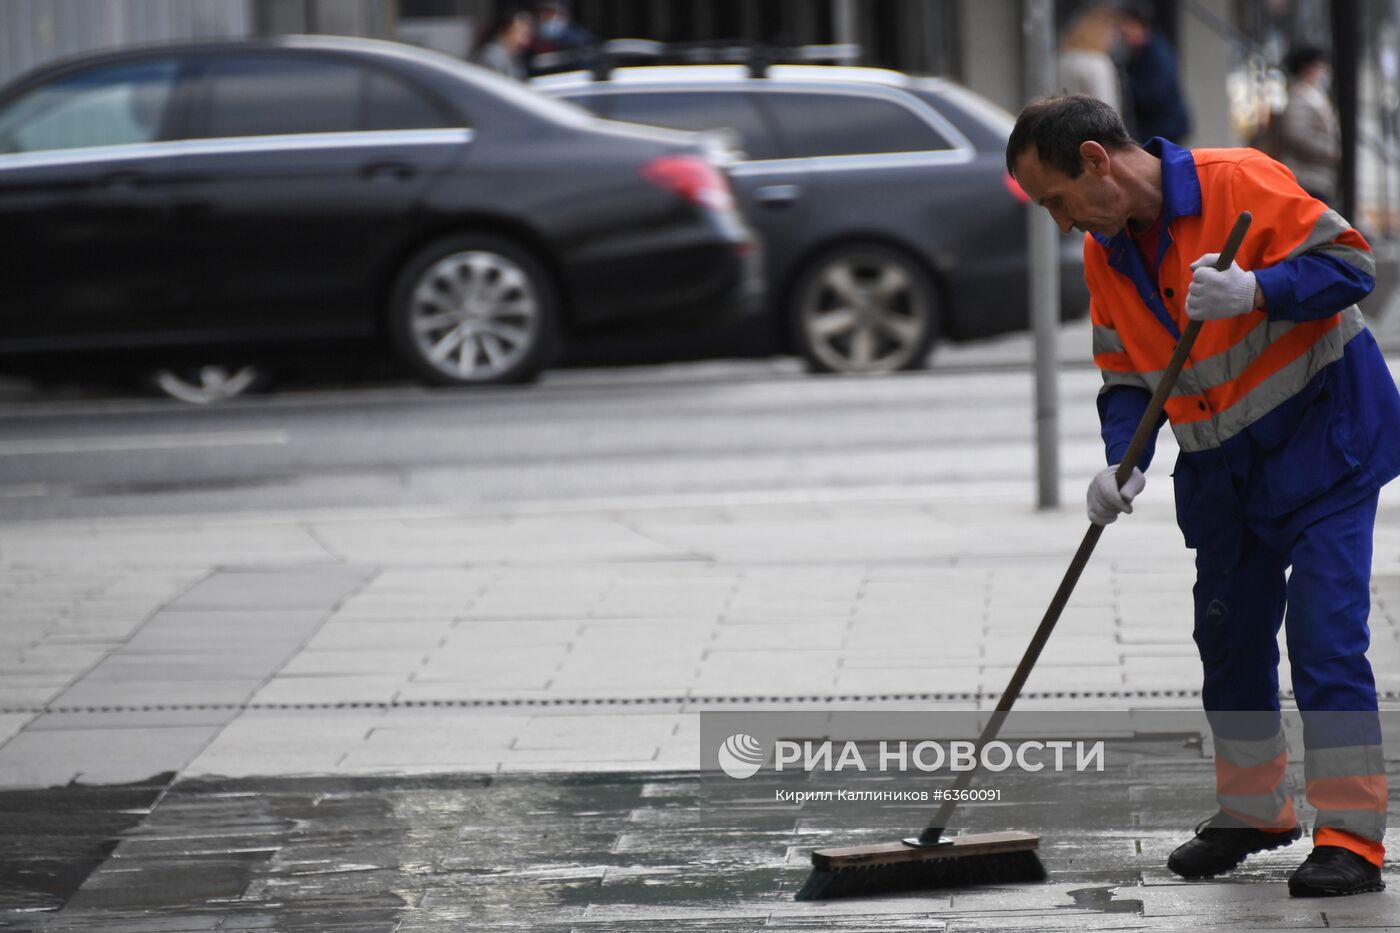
(1309, 139)
(1285, 420)
(1086, 62)
(556, 30)
(505, 43)
(1156, 104)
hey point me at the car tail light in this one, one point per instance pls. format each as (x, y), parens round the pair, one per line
(1016, 191)
(693, 178)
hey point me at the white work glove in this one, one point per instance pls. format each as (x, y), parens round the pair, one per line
(1216, 295)
(1106, 500)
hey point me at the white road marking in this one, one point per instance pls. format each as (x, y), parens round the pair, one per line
(83, 445)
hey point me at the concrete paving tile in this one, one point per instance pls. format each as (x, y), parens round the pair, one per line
(387, 661)
(600, 689)
(131, 719)
(20, 690)
(643, 648)
(1062, 650)
(620, 730)
(357, 688)
(175, 548)
(401, 611)
(12, 723)
(455, 690)
(253, 762)
(626, 671)
(782, 636)
(50, 659)
(334, 636)
(1177, 649)
(280, 588)
(455, 756)
(908, 680)
(462, 662)
(98, 756)
(521, 634)
(464, 739)
(995, 678)
(141, 692)
(483, 680)
(1185, 666)
(599, 635)
(211, 665)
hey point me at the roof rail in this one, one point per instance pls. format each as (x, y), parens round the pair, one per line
(757, 56)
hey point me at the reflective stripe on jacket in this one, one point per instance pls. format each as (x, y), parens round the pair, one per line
(1276, 406)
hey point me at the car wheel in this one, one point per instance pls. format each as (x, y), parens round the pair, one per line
(864, 308)
(474, 310)
(205, 385)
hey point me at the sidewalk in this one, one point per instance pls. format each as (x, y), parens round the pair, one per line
(355, 645)
(533, 647)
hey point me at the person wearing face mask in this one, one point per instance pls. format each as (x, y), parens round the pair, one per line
(1309, 138)
(556, 31)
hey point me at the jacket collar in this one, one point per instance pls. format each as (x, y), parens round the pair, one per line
(1181, 197)
(1181, 193)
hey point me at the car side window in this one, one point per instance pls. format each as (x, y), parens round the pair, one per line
(105, 106)
(269, 95)
(820, 124)
(731, 111)
(392, 104)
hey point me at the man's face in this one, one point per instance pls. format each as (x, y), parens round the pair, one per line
(1091, 203)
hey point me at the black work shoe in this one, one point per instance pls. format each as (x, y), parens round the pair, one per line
(1216, 849)
(1331, 871)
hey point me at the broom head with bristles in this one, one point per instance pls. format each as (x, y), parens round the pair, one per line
(982, 858)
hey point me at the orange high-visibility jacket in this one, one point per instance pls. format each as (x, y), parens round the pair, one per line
(1275, 407)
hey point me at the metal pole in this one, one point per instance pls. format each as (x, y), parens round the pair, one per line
(1038, 28)
(1346, 54)
(843, 19)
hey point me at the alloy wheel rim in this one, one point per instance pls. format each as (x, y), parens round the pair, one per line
(865, 314)
(208, 384)
(474, 315)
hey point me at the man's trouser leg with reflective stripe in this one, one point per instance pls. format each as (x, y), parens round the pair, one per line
(1329, 604)
(1238, 615)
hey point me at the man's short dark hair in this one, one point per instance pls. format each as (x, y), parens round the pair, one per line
(1057, 125)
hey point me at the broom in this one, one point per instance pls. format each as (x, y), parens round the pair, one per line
(928, 860)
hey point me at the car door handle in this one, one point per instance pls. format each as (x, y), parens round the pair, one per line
(777, 195)
(388, 170)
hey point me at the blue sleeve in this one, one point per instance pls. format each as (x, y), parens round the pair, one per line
(1120, 410)
(1312, 286)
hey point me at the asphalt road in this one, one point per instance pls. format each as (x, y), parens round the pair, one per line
(723, 428)
(673, 433)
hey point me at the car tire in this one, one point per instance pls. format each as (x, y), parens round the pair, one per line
(474, 309)
(864, 308)
(208, 385)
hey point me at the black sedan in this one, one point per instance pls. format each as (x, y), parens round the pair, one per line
(214, 205)
(887, 215)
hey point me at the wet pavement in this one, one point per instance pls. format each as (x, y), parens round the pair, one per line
(611, 852)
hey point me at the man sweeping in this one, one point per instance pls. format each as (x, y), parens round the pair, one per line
(1288, 423)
